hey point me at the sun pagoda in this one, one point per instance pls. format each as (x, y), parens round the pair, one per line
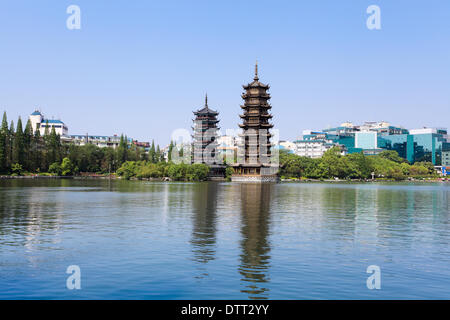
(254, 151)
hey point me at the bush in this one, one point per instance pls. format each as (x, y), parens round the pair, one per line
(17, 169)
(55, 168)
(67, 167)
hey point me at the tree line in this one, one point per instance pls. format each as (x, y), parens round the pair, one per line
(386, 165)
(23, 151)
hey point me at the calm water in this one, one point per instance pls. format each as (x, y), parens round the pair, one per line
(144, 240)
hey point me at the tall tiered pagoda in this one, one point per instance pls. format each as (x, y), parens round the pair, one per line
(254, 152)
(205, 140)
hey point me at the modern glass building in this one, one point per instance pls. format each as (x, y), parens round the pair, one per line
(427, 144)
(366, 140)
(419, 145)
(446, 159)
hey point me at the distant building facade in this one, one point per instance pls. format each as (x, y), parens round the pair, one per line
(446, 159)
(39, 122)
(371, 138)
(99, 141)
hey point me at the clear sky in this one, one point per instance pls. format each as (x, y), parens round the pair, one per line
(141, 67)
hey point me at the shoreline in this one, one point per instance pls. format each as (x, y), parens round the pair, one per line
(95, 177)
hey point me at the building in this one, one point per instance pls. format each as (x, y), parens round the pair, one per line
(39, 122)
(254, 151)
(366, 140)
(446, 159)
(313, 144)
(312, 148)
(426, 144)
(371, 138)
(205, 140)
(99, 141)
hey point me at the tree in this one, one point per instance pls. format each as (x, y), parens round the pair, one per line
(11, 134)
(359, 166)
(27, 140)
(53, 147)
(122, 150)
(36, 151)
(55, 168)
(169, 155)
(17, 169)
(4, 140)
(18, 145)
(158, 154)
(67, 167)
(392, 155)
(152, 153)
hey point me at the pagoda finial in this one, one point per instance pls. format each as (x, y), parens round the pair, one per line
(206, 100)
(256, 70)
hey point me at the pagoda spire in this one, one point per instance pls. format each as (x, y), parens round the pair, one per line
(206, 99)
(256, 71)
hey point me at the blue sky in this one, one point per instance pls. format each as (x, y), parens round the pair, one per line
(142, 67)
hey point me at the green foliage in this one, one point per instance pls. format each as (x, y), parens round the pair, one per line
(55, 168)
(36, 153)
(67, 167)
(228, 173)
(128, 170)
(332, 165)
(17, 169)
(177, 172)
(392, 156)
(197, 172)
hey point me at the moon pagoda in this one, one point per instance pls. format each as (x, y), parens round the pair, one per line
(205, 140)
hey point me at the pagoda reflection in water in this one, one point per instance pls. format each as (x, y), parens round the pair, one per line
(255, 255)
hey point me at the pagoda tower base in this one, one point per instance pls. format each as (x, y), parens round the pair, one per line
(217, 172)
(254, 179)
(255, 173)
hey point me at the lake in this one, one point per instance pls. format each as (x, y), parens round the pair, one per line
(150, 240)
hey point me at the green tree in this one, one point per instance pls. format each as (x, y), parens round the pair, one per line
(122, 150)
(36, 151)
(152, 153)
(17, 169)
(4, 145)
(18, 154)
(27, 145)
(55, 168)
(169, 154)
(53, 147)
(392, 155)
(67, 167)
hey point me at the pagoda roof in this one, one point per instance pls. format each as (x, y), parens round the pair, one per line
(256, 83)
(206, 110)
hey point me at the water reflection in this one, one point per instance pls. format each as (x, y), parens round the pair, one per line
(255, 246)
(204, 222)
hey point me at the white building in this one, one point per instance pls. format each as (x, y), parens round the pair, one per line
(38, 122)
(99, 141)
(312, 148)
